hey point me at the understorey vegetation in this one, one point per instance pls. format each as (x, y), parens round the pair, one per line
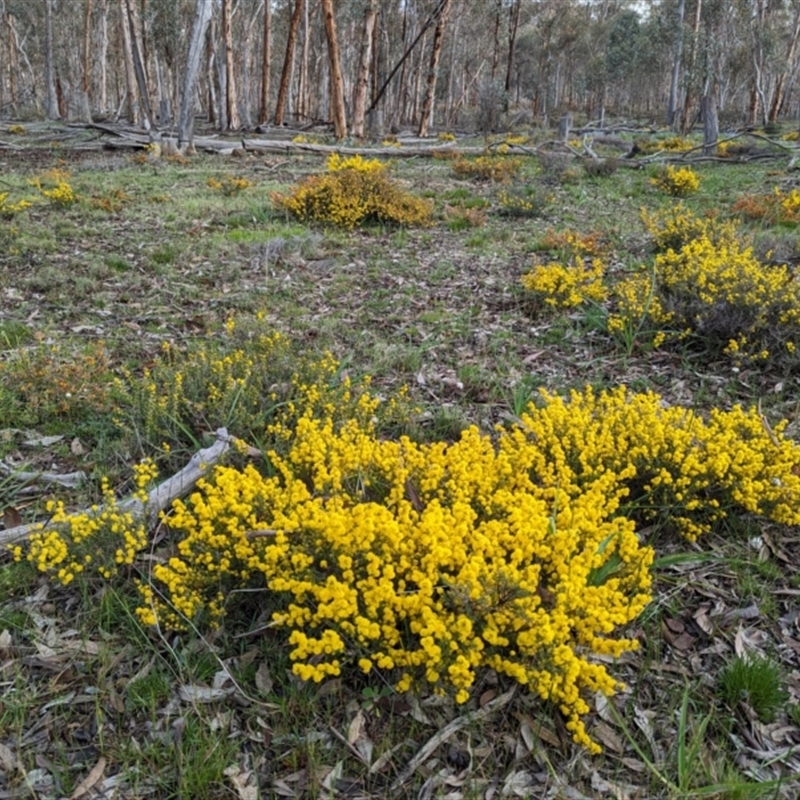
(509, 492)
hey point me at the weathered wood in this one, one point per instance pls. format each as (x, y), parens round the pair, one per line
(708, 107)
(158, 500)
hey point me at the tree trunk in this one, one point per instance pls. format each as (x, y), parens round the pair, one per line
(135, 41)
(102, 57)
(789, 65)
(686, 122)
(433, 68)
(362, 81)
(13, 67)
(287, 62)
(672, 108)
(708, 105)
(336, 83)
(303, 104)
(87, 46)
(50, 73)
(202, 15)
(231, 101)
(513, 26)
(496, 38)
(266, 59)
(406, 54)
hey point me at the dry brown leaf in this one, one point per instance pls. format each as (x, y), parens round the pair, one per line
(607, 737)
(11, 518)
(8, 761)
(244, 782)
(203, 694)
(90, 780)
(263, 678)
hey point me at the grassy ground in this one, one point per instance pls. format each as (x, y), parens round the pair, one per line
(151, 259)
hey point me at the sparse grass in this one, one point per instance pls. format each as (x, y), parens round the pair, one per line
(156, 262)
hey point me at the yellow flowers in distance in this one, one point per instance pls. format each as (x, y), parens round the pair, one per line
(353, 191)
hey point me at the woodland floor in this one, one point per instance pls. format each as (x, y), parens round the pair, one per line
(151, 254)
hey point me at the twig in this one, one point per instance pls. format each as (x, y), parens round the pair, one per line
(159, 499)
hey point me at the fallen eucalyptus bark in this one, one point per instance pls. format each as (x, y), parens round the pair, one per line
(468, 719)
(68, 479)
(159, 498)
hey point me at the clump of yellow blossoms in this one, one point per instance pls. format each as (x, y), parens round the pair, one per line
(500, 169)
(54, 185)
(430, 561)
(353, 191)
(705, 282)
(8, 209)
(229, 185)
(676, 182)
(102, 539)
(568, 285)
(435, 561)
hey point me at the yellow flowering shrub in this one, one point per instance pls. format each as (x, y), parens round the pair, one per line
(569, 243)
(568, 285)
(673, 227)
(8, 210)
(101, 540)
(666, 464)
(245, 377)
(672, 144)
(229, 185)
(46, 382)
(676, 182)
(430, 562)
(54, 185)
(353, 191)
(500, 169)
(705, 283)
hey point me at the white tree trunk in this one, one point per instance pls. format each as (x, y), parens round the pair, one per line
(202, 15)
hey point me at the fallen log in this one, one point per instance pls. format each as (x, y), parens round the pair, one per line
(158, 500)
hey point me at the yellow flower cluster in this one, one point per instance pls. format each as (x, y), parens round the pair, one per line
(433, 561)
(522, 203)
(229, 185)
(245, 377)
(673, 227)
(568, 243)
(667, 464)
(568, 285)
(705, 281)
(446, 136)
(105, 538)
(673, 144)
(352, 192)
(676, 182)
(500, 169)
(54, 185)
(337, 163)
(9, 210)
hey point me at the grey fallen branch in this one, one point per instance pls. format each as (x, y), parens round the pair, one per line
(68, 479)
(158, 499)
